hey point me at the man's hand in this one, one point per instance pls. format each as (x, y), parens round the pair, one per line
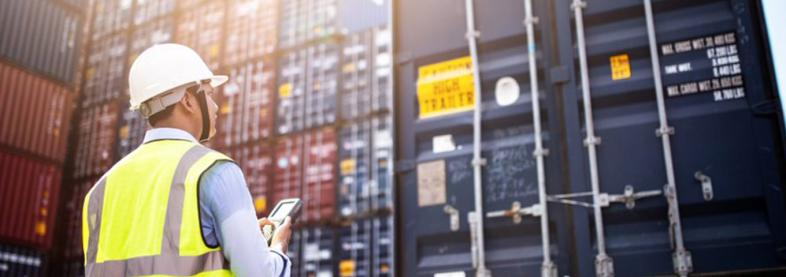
(281, 233)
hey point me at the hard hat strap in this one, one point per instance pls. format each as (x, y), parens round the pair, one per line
(205, 115)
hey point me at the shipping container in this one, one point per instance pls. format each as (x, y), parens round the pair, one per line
(703, 194)
(148, 10)
(256, 161)
(252, 27)
(383, 247)
(35, 114)
(289, 164)
(357, 15)
(151, 33)
(291, 92)
(42, 36)
(202, 29)
(105, 74)
(246, 104)
(306, 20)
(320, 158)
(96, 140)
(365, 73)
(73, 217)
(74, 268)
(354, 252)
(318, 250)
(365, 152)
(20, 261)
(29, 193)
(111, 17)
(293, 252)
(321, 85)
(131, 132)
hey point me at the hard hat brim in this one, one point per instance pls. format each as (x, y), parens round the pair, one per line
(218, 80)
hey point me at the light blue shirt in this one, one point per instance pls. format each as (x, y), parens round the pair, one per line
(228, 216)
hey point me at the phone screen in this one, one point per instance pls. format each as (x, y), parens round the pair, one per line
(282, 211)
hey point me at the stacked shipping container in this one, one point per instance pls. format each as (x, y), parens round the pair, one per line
(278, 114)
(39, 51)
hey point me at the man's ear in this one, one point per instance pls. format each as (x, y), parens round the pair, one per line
(190, 103)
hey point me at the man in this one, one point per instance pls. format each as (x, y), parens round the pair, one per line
(173, 206)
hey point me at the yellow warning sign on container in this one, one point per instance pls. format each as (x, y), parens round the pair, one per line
(347, 166)
(346, 268)
(285, 90)
(620, 67)
(260, 204)
(446, 87)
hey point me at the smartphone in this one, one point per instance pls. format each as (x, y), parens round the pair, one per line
(287, 207)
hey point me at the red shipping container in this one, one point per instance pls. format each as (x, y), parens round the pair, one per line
(320, 161)
(256, 161)
(201, 28)
(96, 139)
(286, 175)
(35, 114)
(73, 217)
(29, 192)
(251, 30)
(247, 104)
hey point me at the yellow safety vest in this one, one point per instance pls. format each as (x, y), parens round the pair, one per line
(142, 217)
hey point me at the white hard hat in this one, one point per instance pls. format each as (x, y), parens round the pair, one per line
(163, 68)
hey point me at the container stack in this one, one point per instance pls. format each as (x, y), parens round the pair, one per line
(306, 113)
(38, 63)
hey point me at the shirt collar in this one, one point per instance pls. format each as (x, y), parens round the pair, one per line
(167, 133)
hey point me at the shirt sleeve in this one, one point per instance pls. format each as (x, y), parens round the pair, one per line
(229, 220)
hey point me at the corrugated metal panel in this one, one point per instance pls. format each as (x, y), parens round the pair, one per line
(105, 76)
(256, 161)
(365, 73)
(30, 193)
(149, 34)
(147, 10)
(202, 29)
(246, 109)
(252, 30)
(131, 133)
(294, 253)
(354, 252)
(42, 36)
(19, 261)
(306, 20)
(357, 15)
(383, 247)
(319, 175)
(96, 139)
(354, 160)
(111, 16)
(289, 163)
(710, 58)
(318, 249)
(321, 85)
(73, 217)
(381, 165)
(35, 113)
(291, 92)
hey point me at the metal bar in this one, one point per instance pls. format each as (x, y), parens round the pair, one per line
(603, 263)
(681, 257)
(547, 269)
(477, 163)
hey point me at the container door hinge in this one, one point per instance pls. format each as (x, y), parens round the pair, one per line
(604, 266)
(706, 185)
(454, 217)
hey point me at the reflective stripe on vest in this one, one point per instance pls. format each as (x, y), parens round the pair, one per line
(142, 217)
